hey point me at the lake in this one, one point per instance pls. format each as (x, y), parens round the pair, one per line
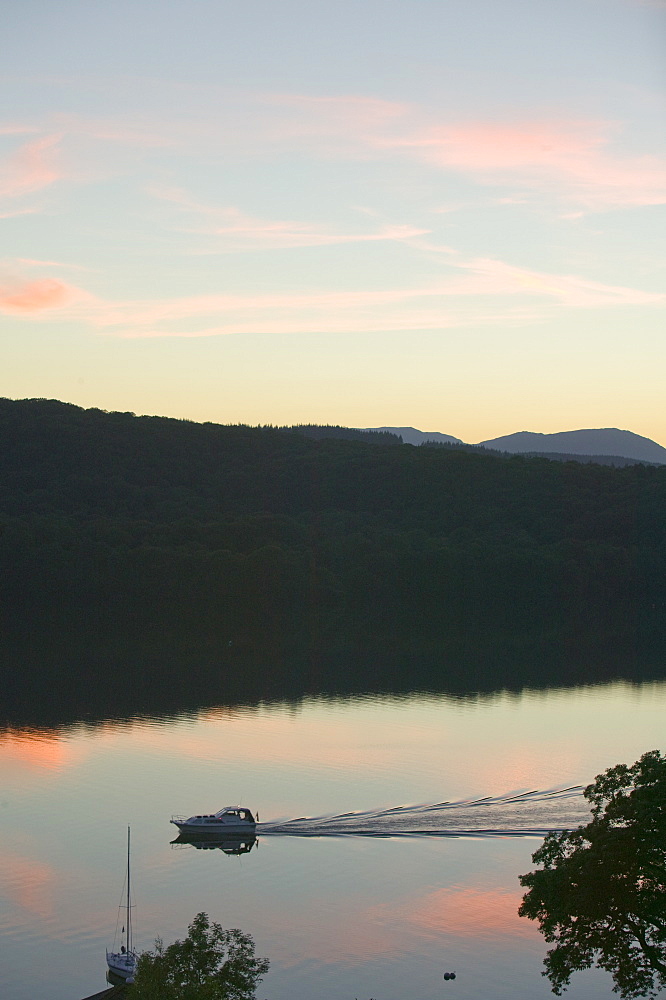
(378, 904)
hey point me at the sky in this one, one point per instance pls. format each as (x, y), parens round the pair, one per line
(445, 214)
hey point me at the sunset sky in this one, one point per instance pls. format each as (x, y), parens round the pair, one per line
(447, 214)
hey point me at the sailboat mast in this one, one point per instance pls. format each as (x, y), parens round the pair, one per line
(129, 905)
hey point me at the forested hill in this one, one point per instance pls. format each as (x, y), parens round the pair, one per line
(281, 545)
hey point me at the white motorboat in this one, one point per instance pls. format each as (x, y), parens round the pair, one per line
(123, 963)
(230, 819)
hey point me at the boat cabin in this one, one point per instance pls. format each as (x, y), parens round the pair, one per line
(230, 818)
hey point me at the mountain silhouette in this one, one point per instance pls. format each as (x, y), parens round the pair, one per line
(599, 441)
(410, 435)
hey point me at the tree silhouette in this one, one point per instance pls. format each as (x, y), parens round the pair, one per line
(209, 964)
(600, 894)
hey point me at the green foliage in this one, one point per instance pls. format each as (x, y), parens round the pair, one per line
(600, 894)
(209, 964)
(260, 547)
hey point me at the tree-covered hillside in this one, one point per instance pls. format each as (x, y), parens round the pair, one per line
(282, 548)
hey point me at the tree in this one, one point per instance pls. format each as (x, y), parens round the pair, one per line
(210, 964)
(600, 895)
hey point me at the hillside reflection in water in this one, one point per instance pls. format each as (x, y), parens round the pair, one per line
(338, 916)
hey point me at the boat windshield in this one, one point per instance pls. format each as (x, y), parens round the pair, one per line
(233, 812)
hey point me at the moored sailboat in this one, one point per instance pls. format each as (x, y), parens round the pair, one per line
(123, 963)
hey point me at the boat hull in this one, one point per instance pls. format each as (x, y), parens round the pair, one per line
(202, 829)
(122, 965)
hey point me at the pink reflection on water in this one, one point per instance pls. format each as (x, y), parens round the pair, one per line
(463, 911)
(38, 750)
(352, 932)
(29, 884)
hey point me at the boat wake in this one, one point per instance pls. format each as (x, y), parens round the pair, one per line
(526, 813)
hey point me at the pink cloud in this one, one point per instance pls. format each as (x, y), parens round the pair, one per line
(492, 146)
(30, 168)
(17, 129)
(574, 160)
(567, 158)
(33, 262)
(571, 159)
(17, 211)
(27, 297)
(477, 291)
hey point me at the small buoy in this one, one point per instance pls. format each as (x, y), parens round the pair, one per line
(449, 975)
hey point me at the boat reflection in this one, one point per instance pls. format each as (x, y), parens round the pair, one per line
(227, 843)
(115, 980)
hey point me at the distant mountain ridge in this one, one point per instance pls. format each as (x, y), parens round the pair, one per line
(588, 444)
(591, 441)
(410, 435)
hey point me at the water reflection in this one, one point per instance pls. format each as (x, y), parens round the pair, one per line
(212, 842)
(59, 683)
(114, 980)
(385, 914)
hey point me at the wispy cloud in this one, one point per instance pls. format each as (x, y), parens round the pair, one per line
(10, 128)
(235, 231)
(30, 168)
(496, 277)
(570, 160)
(34, 262)
(576, 160)
(12, 213)
(471, 291)
(474, 292)
(28, 297)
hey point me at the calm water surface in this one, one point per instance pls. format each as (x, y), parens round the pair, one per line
(339, 917)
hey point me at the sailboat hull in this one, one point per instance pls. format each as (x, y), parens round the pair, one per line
(121, 964)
